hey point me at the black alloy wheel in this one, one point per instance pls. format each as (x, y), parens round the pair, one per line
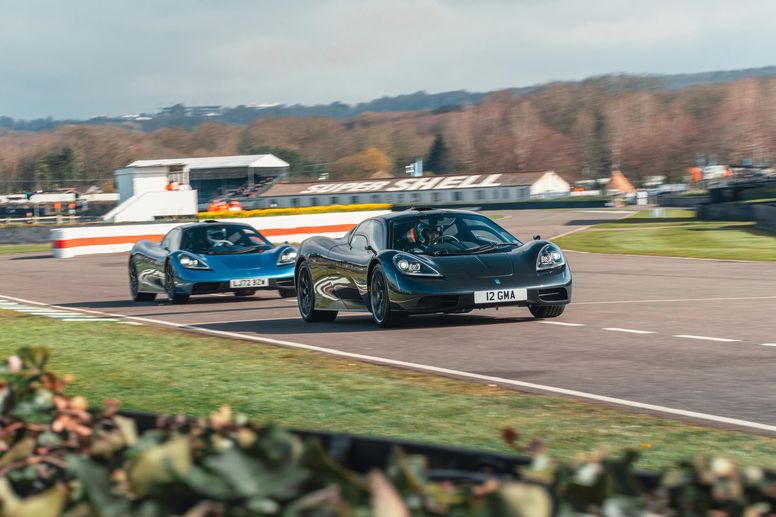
(546, 311)
(169, 286)
(134, 285)
(380, 303)
(305, 293)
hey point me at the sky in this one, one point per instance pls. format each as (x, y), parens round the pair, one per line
(84, 58)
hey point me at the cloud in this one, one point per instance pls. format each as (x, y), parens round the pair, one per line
(86, 57)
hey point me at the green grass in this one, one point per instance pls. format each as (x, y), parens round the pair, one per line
(163, 370)
(675, 234)
(7, 249)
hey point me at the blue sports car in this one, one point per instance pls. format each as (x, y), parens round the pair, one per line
(210, 257)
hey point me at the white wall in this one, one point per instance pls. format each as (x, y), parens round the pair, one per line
(132, 181)
(149, 205)
(124, 183)
(549, 185)
(70, 242)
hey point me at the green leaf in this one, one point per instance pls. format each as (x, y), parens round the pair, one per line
(160, 464)
(34, 357)
(95, 483)
(252, 479)
(49, 503)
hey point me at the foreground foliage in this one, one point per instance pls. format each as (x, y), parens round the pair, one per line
(59, 457)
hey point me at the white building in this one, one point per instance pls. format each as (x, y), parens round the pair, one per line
(143, 193)
(470, 189)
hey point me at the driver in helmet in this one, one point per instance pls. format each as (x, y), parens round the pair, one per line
(428, 234)
(217, 236)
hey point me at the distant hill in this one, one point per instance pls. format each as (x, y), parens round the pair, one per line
(179, 116)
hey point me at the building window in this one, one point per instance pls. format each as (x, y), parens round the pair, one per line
(458, 195)
(295, 201)
(505, 193)
(495, 193)
(313, 201)
(400, 197)
(415, 196)
(273, 203)
(375, 198)
(437, 196)
(354, 200)
(334, 200)
(480, 194)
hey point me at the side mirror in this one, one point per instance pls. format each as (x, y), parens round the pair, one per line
(537, 237)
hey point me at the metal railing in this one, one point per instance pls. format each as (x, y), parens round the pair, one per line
(58, 219)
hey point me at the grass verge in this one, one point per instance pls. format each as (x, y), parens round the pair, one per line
(675, 233)
(161, 370)
(7, 249)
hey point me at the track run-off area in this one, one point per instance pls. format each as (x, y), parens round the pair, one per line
(689, 338)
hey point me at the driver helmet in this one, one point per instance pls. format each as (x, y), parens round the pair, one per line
(216, 234)
(428, 233)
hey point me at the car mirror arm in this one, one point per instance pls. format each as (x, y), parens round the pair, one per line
(371, 249)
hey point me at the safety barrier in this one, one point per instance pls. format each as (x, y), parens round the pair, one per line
(87, 240)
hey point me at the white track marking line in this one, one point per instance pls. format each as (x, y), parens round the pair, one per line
(91, 318)
(671, 300)
(563, 323)
(443, 371)
(708, 338)
(630, 331)
(604, 211)
(767, 344)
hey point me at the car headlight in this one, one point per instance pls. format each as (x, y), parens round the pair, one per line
(287, 257)
(190, 262)
(413, 266)
(550, 257)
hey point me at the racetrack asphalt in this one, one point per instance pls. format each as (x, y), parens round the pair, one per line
(695, 335)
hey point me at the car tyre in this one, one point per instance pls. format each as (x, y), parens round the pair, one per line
(546, 311)
(134, 285)
(306, 299)
(169, 286)
(380, 303)
(287, 293)
(244, 292)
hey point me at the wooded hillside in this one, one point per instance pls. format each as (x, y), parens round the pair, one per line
(577, 129)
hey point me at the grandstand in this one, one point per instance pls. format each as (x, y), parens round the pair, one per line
(242, 177)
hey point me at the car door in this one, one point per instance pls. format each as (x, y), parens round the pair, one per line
(157, 256)
(363, 246)
(325, 272)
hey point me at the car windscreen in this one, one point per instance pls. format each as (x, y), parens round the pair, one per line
(223, 239)
(450, 234)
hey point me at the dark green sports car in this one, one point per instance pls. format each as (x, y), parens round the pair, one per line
(423, 261)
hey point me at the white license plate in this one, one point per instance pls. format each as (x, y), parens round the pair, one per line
(501, 296)
(248, 282)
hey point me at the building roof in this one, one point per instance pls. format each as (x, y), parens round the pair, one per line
(407, 184)
(216, 162)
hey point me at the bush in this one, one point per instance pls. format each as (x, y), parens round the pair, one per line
(269, 212)
(58, 456)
